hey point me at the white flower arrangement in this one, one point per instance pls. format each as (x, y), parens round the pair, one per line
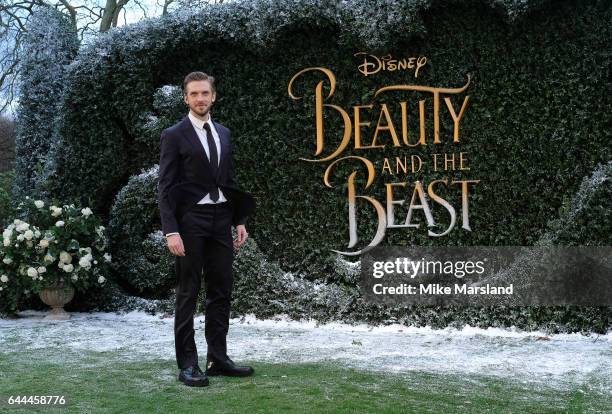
(40, 238)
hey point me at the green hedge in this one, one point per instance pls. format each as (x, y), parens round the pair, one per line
(585, 219)
(6, 205)
(538, 123)
(50, 44)
(142, 263)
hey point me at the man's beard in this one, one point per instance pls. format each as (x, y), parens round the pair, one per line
(202, 112)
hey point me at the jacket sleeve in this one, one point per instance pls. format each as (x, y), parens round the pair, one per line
(168, 176)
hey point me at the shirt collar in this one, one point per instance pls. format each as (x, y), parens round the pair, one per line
(198, 123)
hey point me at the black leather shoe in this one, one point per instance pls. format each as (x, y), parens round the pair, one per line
(227, 368)
(193, 377)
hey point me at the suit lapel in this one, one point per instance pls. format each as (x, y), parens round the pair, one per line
(191, 136)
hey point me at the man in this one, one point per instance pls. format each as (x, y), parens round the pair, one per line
(199, 201)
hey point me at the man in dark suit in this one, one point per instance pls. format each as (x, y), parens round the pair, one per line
(199, 201)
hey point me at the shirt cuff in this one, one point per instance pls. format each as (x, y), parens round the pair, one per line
(170, 234)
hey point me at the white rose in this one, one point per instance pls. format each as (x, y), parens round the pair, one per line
(74, 277)
(43, 243)
(107, 257)
(6, 242)
(22, 226)
(4, 278)
(7, 260)
(85, 263)
(28, 234)
(41, 269)
(65, 257)
(20, 237)
(32, 273)
(101, 279)
(68, 268)
(37, 233)
(55, 211)
(49, 258)
(39, 203)
(86, 212)
(7, 233)
(59, 223)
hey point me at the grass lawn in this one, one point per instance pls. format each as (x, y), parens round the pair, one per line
(104, 382)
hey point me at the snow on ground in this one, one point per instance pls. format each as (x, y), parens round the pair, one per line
(563, 360)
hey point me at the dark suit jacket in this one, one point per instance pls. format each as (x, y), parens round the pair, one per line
(185, 175)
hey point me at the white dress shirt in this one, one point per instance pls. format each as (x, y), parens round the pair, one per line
(198, 125)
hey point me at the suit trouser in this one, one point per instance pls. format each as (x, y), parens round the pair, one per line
(207, 238)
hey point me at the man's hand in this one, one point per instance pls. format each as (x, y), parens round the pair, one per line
(175, 245)
(241, 237)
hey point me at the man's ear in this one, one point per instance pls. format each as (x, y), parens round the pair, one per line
(214, 96)
(185, 99)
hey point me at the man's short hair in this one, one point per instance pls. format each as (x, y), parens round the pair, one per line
(198, 76)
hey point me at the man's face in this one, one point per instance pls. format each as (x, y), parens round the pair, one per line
(199, 96)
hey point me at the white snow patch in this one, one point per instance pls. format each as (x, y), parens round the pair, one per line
(562, 360)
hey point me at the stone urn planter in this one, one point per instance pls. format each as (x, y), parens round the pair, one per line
(57, 297)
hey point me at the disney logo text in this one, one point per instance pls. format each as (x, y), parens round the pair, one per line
(373, 64)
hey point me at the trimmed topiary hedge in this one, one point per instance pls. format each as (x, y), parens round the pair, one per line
(538, 124)
(585, 218)
(50, 44)
(6, 205)
(142, 260)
